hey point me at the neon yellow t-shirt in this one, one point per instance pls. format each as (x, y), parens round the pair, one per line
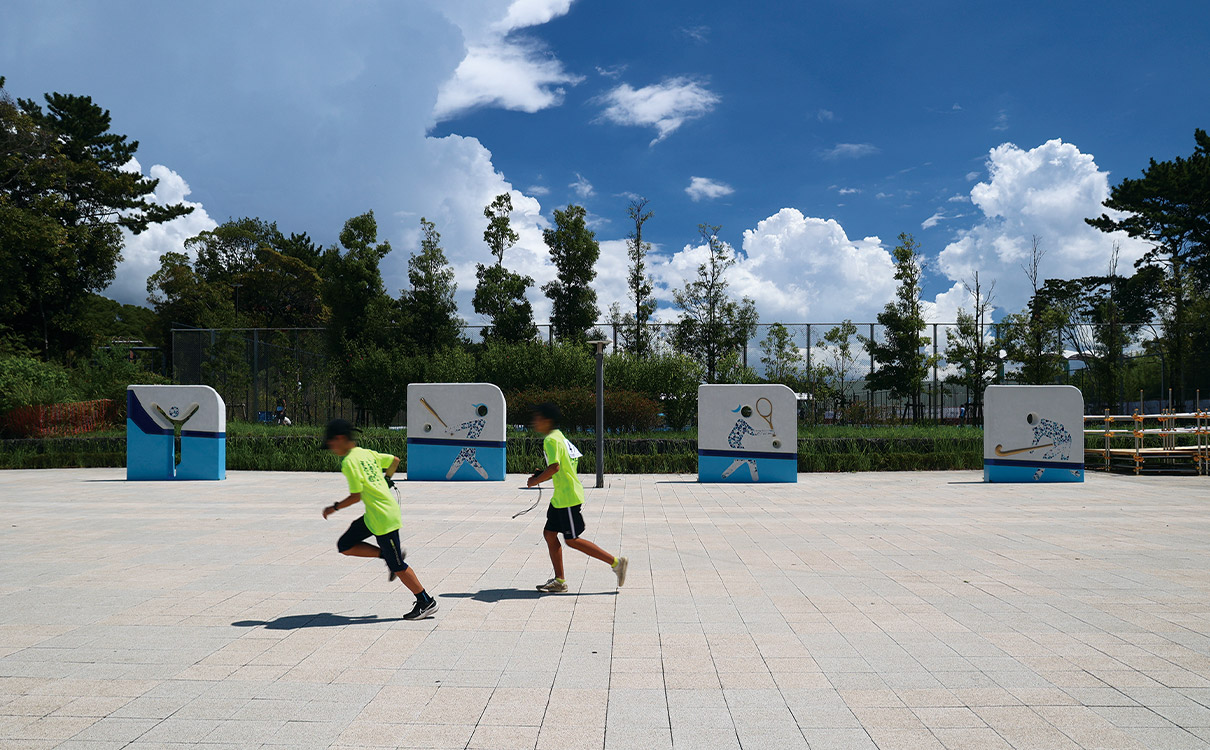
(568, 490)
(363, 468)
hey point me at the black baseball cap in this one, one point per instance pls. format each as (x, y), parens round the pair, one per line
(336, 428)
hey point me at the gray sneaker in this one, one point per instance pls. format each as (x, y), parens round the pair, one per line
(620, 570)
(553, 586)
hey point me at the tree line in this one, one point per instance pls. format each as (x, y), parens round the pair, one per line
(65, 199)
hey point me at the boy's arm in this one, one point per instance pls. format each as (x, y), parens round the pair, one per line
(390, 470)
(547, 473)
(352, 499)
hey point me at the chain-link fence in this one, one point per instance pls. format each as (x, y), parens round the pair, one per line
(258, 370)
(270, 374)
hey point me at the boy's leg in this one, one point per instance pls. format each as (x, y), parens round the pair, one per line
(410, 580)
(393, 554)
(571, 535)
(351, 542)
(556, 552)
(362, 549)
(591, 549)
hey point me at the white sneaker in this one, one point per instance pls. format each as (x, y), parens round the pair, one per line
(620, 570)
(553, 586)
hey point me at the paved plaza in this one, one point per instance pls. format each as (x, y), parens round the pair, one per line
(911, 610)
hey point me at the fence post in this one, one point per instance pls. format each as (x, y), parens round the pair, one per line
(614, 326)
(808, 351)
(868, 386)
(933, 393)
(255, 369)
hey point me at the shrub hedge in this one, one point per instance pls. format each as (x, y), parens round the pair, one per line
(625, 411)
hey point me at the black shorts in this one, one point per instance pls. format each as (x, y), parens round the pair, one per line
(565, 521)
(388, 544)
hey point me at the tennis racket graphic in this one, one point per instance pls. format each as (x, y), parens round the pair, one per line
(766, 413)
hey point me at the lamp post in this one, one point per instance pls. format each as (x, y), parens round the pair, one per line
(600, 345)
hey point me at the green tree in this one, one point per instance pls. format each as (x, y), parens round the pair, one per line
(901, 364)
(428, 309)
(712, 323)
(968, 348)
(1033, 337)
(65, 198)
(574, 252)
(353, 289)
(500, 294)
(841, 361)
(781, 357)
(632, 326)
(1169, 207)
(1101, 318)
(369, 362)
(499, 234)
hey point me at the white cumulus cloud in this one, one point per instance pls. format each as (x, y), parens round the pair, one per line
(1045, 191)
(141, 252)
(796, 268)
(705, 188)
(666, 105)
(501, 68)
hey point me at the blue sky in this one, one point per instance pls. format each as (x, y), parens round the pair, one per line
(813, 127)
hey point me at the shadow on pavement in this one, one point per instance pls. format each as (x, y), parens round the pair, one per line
(321, 620)
(496, 595)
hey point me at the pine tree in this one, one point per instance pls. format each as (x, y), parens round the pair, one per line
(1169, 206)
(65, 196)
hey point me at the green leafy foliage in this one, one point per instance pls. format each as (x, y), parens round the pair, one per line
(625, 411)
(901, 361)
(574, 252)
(501, 296)
(428, 312)
(107, 373)
(712, 324)
(632, 326)
(65, 197)
(671, 379)
(1169, 206)
(783, 361)
(25, 381)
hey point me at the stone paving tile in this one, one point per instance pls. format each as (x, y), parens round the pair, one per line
(885, 611)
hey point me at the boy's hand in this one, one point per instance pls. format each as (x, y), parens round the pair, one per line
(390, 482)
(329, 510)
(533, 479)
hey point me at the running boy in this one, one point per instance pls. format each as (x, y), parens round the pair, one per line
(368, 474)
(563, 516)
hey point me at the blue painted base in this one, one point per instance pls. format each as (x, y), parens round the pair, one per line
(1027, 474)
(432, 462)
(148, 457)
(768, 470)
(202, 458)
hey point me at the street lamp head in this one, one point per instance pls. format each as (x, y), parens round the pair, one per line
(600, 344)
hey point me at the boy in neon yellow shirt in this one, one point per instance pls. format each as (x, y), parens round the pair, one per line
(369, 477)
(563, 516)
